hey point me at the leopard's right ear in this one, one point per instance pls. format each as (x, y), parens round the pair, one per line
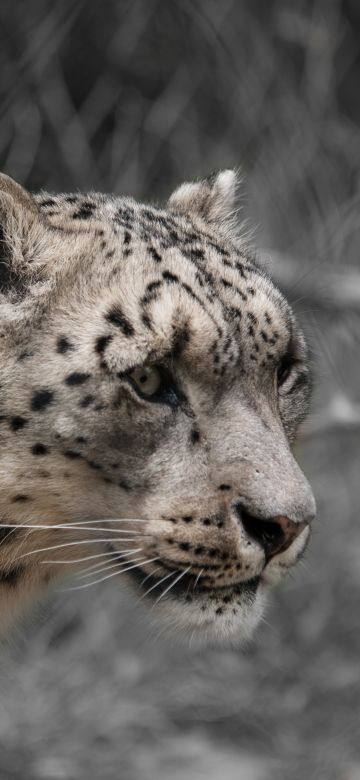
(21, 232)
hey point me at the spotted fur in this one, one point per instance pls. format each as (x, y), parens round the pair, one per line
(93, 287)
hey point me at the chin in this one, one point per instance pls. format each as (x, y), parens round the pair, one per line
(227, 615)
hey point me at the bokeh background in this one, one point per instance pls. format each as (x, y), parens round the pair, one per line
(134, 96)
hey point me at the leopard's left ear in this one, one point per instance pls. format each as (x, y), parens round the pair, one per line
(213, 200)
(21, 228)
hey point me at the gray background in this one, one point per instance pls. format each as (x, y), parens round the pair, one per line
(134, 97)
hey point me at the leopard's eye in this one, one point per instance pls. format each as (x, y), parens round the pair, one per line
(147, 379)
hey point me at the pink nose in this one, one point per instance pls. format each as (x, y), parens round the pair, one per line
(274, 535)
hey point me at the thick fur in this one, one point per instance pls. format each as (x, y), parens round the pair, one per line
(92, 287)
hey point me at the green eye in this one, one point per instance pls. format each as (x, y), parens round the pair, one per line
(147, 379)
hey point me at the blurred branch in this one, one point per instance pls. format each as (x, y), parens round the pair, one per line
(340, 414)
(337, 292)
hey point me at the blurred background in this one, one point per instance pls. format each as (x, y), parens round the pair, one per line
(134, 96)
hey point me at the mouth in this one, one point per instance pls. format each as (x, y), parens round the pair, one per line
(184, 587)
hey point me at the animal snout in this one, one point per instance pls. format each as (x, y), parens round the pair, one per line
(274, 534)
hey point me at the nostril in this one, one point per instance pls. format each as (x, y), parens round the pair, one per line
(274, 535)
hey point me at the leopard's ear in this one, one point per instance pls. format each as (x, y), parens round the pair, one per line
(213, 200)
(21, 228)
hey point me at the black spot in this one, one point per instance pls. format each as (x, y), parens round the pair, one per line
(154, 254)
(39, 449)
(125, 485)
(117, 318)
(86, 401)
(181, 340)
(81, 440)
(199, 550)
(16, 423)
(252, 317)
(223, 486)
(93, 465)
(169, 277)
(48, 202)
(184, 546)
(187, 519)
(101, 343)
(127, 237)
(24, 355)
(264, 336)
(77, 378)
(219, 611)
(71, 198)
(194, 436)
(72, 454)
(41, 399)
(63, 345)
(197, 254)
(7, 534)
(12, 576)
(146, 321)
(85, 211)
(20, 497)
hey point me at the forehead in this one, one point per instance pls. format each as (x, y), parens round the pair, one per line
(171, 274)
(188, 276)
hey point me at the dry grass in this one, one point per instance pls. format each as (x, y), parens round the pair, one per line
(134, 100)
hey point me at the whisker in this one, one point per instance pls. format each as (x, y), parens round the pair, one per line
(108, 520)
(68, 544)
(69, 527)
(117, 564)
(114, 574)
(181, 575)
(197, 578)
(87, 557)
(156, 585)
(150, 575)
(114, 557)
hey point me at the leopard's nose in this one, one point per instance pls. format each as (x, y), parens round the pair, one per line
(274, 535)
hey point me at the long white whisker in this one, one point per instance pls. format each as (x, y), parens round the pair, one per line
(197, 578)
(74, 524)
(89, 557)
(107, 520)
(118, 564)
(156, 585)
(69, 544)
(150, 575)
(114, 574)
(181, 575)
(70, 527)
(115, 557)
